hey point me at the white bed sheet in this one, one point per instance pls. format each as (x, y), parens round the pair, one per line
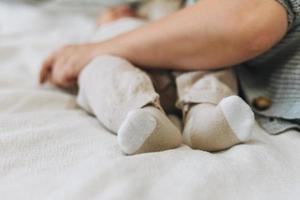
(50, 149)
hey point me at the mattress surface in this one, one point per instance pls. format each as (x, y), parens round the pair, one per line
(50, 149)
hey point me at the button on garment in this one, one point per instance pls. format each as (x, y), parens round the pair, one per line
(271, 82)
(275, 76)
(262, 103)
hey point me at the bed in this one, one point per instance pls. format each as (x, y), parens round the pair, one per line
(51, 149)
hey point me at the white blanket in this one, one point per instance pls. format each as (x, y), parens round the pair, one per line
(50, 149)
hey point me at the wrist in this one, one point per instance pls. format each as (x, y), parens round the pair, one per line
(110, 47)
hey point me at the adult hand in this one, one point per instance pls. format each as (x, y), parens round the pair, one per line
(64, 65)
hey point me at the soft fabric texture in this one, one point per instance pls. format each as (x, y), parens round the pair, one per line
(50, 149)
(148, 129)
(234, 109)
(109, 95)
(156, 9)
(215, 119)
(211, 127)
(111, 88)
(275, 75)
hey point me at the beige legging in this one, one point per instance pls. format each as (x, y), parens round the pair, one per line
(110, 86)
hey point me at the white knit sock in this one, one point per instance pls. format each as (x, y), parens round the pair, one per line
(216, 127)
(147, 130)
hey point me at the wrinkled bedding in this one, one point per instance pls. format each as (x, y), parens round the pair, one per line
(50, 149)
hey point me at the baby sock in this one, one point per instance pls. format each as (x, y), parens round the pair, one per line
(217, 127)
(147, 129)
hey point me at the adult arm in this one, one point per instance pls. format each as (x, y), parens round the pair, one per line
(211, 34)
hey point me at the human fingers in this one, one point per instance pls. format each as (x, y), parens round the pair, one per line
(62, 75)
(45, 71)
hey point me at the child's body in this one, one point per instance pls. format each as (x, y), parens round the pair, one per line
(133, 103)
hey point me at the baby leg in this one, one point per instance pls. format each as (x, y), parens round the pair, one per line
(123, 99)
(215, 118)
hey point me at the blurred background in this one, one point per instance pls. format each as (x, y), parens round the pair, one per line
(80, 5)
(31, 29)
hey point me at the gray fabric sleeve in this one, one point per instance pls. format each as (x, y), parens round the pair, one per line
(293, 10)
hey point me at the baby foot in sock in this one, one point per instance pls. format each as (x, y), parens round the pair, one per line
(147, 130)
(217, 127)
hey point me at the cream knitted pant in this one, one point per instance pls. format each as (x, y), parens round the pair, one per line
(120, 87)
(111, 87)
